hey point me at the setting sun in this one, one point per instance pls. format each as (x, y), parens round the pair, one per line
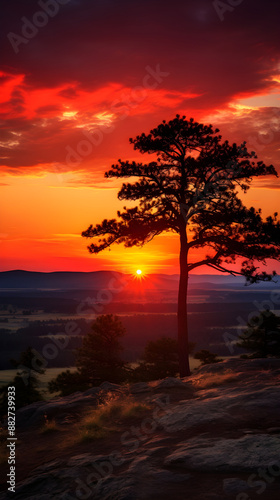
(139, 275)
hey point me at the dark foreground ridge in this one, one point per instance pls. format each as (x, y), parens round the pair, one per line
(214, 436)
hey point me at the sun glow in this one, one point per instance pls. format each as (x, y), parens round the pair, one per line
(139, 275)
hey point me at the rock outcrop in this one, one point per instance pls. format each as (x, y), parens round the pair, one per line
(220, 439)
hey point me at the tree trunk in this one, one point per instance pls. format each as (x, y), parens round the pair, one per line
(182, 316)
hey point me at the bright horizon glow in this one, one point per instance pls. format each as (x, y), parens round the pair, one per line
(138, 272)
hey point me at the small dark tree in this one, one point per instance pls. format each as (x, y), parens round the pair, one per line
(25, 365)
(68, 382)
(206, 357)
(191, 188)
(26, 382)
(162, 356)
(99, 358)
(160, 359)
(262, 337)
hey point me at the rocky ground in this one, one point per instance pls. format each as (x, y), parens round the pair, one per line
(214, 436)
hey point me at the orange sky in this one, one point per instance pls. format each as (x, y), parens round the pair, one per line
(63, 88)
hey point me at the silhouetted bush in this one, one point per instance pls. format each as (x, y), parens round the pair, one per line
(206, 357)
(68, 382)
(160, 360)
(262, 337)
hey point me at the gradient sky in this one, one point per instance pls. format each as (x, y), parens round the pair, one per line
(109, 70)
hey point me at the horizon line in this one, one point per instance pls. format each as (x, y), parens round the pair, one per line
(112, 271)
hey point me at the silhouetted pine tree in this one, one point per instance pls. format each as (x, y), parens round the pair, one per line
(191, 188)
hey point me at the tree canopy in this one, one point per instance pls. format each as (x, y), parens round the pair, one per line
(195, 176)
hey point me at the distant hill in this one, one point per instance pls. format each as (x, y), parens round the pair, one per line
(60, 280)
(55, 280)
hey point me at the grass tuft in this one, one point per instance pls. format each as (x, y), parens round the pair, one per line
(49, 427)
(108, 415)
(90, 430)
(214, 380)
